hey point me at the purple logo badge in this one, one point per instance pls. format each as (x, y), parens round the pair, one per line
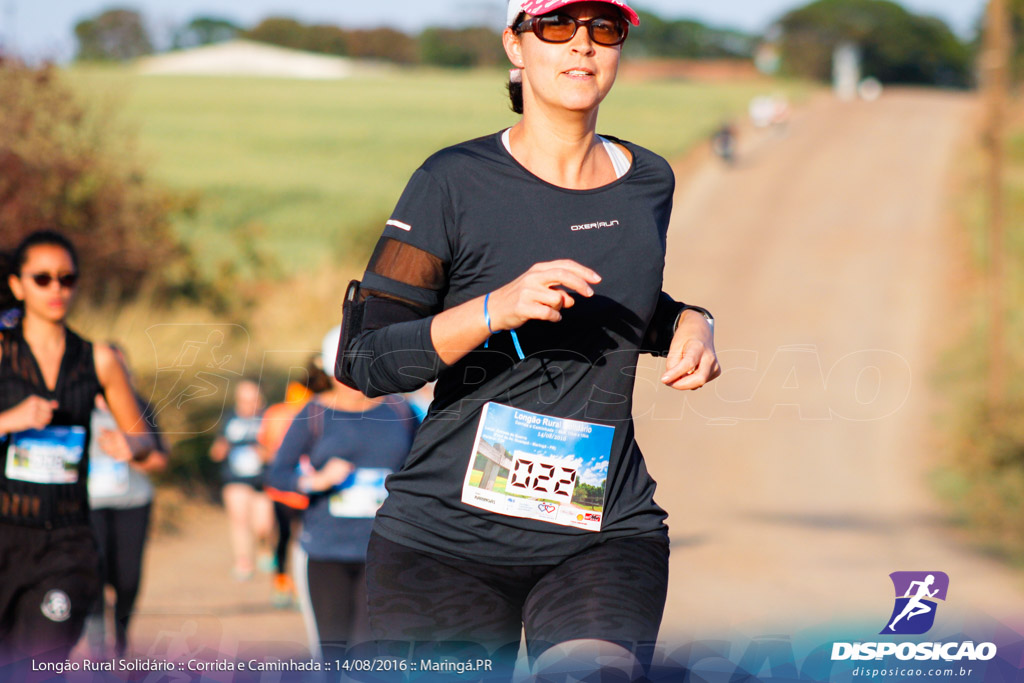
(916, 595)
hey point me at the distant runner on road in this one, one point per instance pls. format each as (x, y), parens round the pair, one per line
(243, 461)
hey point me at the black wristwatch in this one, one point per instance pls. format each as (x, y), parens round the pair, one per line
(703, 311)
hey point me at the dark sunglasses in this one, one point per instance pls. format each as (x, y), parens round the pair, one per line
(43, 280)
(561, 28)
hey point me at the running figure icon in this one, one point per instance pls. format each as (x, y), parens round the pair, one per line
(916, 606)
(917, 595)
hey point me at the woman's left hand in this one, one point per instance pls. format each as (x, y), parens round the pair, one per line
(692, 362)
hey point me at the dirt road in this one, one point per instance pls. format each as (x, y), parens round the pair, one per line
(191, 605)
(796, 483)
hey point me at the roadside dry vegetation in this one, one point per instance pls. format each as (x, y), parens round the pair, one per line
(70, 165)
(983, 472)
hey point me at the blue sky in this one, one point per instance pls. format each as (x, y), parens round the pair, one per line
(43, 28)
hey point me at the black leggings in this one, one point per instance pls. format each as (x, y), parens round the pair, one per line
(614, 591)
(337, 591)
(285, 516)
(121, 536)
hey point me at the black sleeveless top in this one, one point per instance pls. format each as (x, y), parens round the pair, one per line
(47, 505)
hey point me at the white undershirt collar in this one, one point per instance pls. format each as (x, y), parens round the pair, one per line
(620, 162)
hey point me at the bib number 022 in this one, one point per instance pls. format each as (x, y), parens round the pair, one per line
(536, 477)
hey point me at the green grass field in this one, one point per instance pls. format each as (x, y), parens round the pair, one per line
(309, 171)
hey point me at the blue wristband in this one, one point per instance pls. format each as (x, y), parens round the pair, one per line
(515, 342)
(515, 337)
(487, 315)
(487, 319)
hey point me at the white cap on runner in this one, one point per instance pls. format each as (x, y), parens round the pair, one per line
(329, 349)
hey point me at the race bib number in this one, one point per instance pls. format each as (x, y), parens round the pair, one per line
(245, 461)
(46, 456)
(536, 466)
(361, 495)
(107, 477)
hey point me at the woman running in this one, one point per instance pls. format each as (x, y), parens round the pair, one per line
(120, 501)
(288, 506)
(523, 270)
(49, 379)
(338, 450)
(243, 462)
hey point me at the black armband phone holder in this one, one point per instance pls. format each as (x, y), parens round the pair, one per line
(364, 310)
(351, 326)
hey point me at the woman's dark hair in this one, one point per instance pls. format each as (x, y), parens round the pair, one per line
(7, 299)
(515, 95)
(317, 379)
(515, 88)
(41, 238)
(12, 262)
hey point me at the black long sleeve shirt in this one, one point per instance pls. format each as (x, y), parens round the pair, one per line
(471, 220)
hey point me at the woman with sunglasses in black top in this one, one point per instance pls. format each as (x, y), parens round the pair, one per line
(49, 379)
(523, 270)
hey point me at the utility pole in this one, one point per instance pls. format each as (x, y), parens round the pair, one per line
(996, 83)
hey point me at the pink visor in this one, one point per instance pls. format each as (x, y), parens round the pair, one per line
(535, 7)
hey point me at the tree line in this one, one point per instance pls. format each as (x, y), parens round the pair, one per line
(897, 45)
(121, 34)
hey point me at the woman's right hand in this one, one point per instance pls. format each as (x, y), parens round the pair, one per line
(33, 412)
(537, 294)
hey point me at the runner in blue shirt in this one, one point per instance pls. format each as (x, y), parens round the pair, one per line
(339, 450)
(242, 463)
